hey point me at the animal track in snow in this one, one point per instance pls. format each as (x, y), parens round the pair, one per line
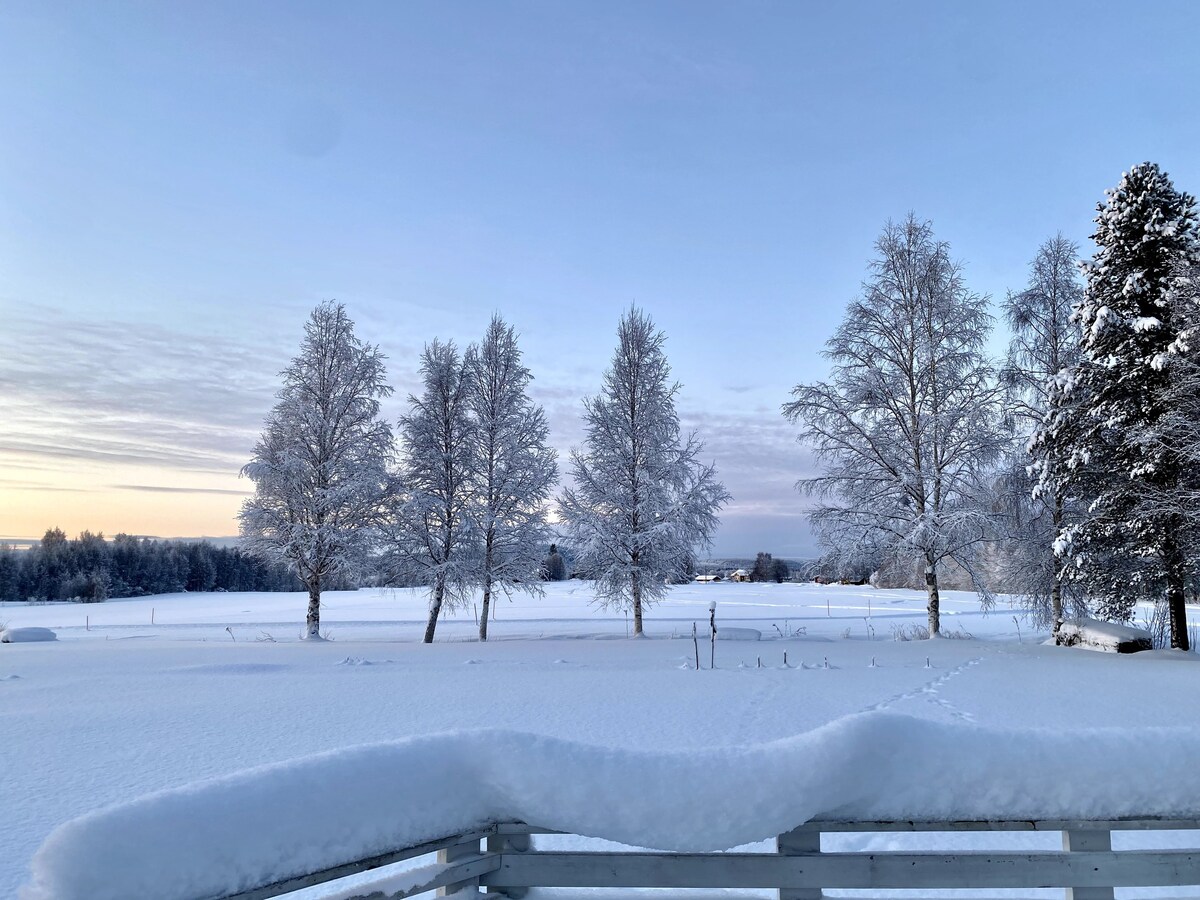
(929, 691)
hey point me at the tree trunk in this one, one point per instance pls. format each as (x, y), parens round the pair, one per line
(637, 603)
(487, 586)
(313, 621)
(1174, 563)
(435, 608)
(487, 600)
(1056, 606)
(931, 585)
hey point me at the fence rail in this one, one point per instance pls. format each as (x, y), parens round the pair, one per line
(502, 860)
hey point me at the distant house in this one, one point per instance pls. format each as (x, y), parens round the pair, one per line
(739, 575)
(707, 579)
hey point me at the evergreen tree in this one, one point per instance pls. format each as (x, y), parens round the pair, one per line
(764, 568)
(320, 469)
(642, 501)
(1119, 429)
(513, 469)
(780, 571)
(554, 568)
(432, 539)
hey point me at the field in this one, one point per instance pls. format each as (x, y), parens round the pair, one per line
(140, 695)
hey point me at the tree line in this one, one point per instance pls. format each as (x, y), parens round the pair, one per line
(456, 497)
(1067, 473)
(90, 569)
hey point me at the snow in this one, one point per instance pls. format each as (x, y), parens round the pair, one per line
(157, 694)
(274, 822)
(1104, 636)
(26, 635)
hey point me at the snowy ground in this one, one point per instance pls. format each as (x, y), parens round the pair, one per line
(140, 695)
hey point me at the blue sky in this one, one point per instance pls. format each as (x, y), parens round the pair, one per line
(180, 183)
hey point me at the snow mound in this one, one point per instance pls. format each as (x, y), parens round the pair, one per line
(738, 634)
(1106, 636)
(26, 635)
(232, 833)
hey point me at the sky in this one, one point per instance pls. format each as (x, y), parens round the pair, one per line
(181, 183)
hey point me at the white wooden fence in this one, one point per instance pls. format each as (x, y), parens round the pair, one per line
(501, 860)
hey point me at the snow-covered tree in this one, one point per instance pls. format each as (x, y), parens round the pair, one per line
(1045, 343)
(642, 500)
(430, 531)
(909, 423)
(1120, 431)
(513, 470)
(320, 469)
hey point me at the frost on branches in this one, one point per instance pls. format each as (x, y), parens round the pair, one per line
(642, 501)
(1121, 421)
(908, 424)
(1044, 344)
(512, 469)
(320, 469)
(430, 529)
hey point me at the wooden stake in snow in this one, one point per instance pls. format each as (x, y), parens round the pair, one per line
(712, 623)
(696, 645)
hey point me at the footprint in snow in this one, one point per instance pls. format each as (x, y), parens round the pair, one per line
(11, 678)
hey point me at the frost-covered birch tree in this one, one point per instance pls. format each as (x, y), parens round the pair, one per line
(513, 470)
(432, 539)
(909, 423)
(320, 469)
(642, 500)
(1044, 345)
(1118, 422)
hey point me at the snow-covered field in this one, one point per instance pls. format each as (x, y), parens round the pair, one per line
(142, 695)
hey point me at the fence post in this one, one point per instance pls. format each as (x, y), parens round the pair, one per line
(1085, 840)
(805, 839)
(454, 853)
(509, 843)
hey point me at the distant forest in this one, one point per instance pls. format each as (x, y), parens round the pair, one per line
(90, 568)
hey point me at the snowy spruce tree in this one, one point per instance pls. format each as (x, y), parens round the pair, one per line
(430, 530)
(908, 425)
(513, 470)
(320, 469)
(1117, 421)
(642, 501)
(1044, 345)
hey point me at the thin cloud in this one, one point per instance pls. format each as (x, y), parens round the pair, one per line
(117, 393)
(165, 489)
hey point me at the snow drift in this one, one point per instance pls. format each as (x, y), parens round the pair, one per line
(229, 834)
(26, 635)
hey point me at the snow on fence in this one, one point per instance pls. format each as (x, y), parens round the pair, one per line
(501, 861)
(267, 831)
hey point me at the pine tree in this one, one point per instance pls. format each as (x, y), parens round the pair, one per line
(1044, 343)
(554, 567)
(909, 422)
(320, 469)
(1120, 433)
(513, 469)
(432, 539)
(764, 568)
(642, 501)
